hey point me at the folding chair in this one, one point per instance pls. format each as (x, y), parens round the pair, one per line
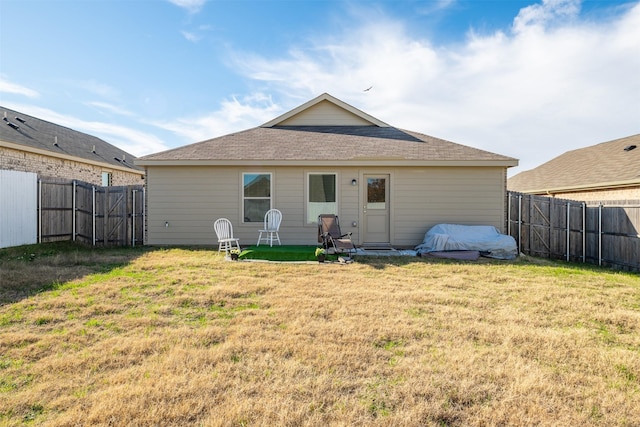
(331, 237)
(272, 221)
(224, 231)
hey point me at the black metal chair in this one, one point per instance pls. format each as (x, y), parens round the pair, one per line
(331, 237)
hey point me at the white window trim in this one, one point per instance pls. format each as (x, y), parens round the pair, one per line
(243, 198)
(314, 222)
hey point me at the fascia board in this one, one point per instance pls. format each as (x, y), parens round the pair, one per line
(332, 163)
(587, 187)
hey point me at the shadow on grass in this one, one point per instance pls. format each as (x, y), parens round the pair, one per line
(282, 253)
(31, 269)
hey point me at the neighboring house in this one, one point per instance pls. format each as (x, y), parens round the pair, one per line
(387, 185)
(607, 171)
(29, 144)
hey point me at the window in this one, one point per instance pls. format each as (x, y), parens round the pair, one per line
(256, 196)
(376, 193)
(106, 179)
(321, 196)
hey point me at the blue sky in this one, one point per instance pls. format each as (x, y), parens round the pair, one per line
(527, 79)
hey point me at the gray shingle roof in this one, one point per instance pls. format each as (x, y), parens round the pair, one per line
(603, 165)
(325, 143)
(41, 134)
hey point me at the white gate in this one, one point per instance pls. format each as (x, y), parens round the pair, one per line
(18, 208)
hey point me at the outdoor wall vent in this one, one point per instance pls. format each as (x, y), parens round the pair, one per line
(13, 125)
(20, 119)
(630, 147)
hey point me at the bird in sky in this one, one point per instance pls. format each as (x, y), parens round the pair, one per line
(368, 89)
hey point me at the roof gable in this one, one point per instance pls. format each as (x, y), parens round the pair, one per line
(359, 140)
(606, 165)
(325, 110)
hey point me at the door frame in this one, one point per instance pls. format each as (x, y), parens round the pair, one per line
(361, 203)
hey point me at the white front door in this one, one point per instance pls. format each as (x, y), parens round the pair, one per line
(376, 209)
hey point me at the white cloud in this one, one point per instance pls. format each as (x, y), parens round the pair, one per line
(196, 34)
(546, 13)
(14, 88)
(192, 6)
(192, 37)
(549, 84)
(234, 114)
(110, 108)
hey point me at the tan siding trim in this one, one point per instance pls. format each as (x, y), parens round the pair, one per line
(325, 114)
(325, 98)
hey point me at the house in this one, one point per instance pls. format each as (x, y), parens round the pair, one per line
(607, 171)
(387, 185)
(29, 144)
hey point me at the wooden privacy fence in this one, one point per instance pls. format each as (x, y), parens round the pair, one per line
(606, 234)
(99, 216)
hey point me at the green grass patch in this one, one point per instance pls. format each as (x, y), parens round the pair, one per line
(282, 253)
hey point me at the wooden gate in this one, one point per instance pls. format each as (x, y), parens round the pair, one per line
(105, 216)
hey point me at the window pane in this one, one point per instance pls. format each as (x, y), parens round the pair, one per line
(315, 209)
(322, 188)
(322, 196)
(106, 179)
(257, 185)
(376, 190)
(255, 209)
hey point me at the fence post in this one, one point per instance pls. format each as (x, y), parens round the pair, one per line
(144, 215)
(93, 215)
(520, 223)
(73, 212)
(600, 234)
(133, 219)
(584, 232)
(509, 214)
(39, 211)
(568, 228)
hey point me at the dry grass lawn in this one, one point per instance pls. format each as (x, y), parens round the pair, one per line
(181, 337)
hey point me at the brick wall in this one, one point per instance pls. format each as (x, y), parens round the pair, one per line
(628, 193)
(52, 167)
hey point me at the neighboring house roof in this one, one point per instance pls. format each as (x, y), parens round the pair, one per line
(23, 132)
(326, 131)
(612, 164)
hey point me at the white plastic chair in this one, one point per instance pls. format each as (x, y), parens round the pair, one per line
(272, 220)
(224, 231)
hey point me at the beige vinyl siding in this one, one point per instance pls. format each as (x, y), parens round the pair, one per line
(288, 187)
(422, 198)
(185, 197)
(325, 113)
(192, 198)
